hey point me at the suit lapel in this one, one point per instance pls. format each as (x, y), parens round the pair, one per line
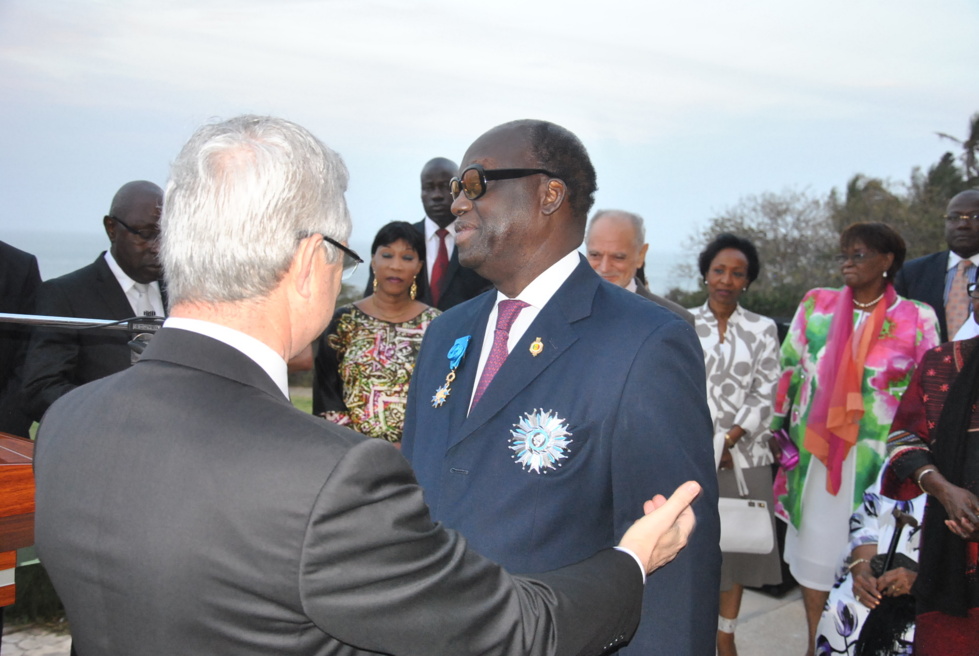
(554, 326)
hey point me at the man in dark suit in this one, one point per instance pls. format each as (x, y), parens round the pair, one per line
(931, 278)
(184, 506)
(19, 279)
(442, 283)
(615, 244)
(122, 283)
(541, 413)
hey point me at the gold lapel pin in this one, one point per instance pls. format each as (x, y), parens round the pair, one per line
(536, 347)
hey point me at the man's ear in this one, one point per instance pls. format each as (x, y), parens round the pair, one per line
(304, 265)
(110, 228)
(554, 196)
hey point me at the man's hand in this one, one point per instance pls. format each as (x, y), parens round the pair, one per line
(659, 536)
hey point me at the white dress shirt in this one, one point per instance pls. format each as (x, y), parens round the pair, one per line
(141, 296)
(432, 243)
(257, 351)
(536, 295)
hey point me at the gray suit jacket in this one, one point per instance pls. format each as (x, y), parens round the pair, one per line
(185, 507)
(676, 308)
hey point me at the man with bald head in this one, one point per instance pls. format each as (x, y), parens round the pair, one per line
(442, 283)
(542, 412)
(940, 279)
(121, 283)
(615, 245)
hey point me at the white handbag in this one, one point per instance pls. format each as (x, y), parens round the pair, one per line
(746, 526)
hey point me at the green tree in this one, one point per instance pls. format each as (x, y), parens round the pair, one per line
(796, 242)
(970, 150)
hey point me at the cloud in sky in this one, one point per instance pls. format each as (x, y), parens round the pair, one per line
(684, 106)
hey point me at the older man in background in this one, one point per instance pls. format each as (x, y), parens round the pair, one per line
(615, 245)
(184, 506)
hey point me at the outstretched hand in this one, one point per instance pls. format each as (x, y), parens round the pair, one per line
(659, 536)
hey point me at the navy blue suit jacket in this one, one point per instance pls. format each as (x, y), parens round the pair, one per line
(625, 378)
(923, 279)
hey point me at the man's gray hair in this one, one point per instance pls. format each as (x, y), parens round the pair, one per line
(632, 218)
(242, 194)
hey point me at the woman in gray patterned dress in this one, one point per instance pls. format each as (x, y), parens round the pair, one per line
(741, 356)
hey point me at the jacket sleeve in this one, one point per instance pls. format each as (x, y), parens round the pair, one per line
(755, 414)
(371, 551)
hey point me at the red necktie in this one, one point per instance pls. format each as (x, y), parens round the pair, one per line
(957, 305)
(506, 314)
(438, 269)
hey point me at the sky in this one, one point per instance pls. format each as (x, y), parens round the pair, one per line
(685, 108)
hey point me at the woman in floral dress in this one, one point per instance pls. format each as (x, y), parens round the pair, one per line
(367, 353)
(846, 362)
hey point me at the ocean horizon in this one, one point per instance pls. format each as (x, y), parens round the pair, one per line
(60, 252)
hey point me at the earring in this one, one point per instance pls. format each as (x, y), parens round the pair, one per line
(414, 288)
(705, 281)
(375, 283)
(885, 274)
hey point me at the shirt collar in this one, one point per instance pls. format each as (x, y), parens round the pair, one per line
(544, 286)
(633, 286)
(121, 276)
(431, 227)
(954, 259)
(257, 351)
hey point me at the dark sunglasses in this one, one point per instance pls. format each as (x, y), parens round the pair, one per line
(350, 258)
(473, 180)
(146, 234)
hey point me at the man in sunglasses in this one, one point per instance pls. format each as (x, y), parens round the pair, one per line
(541, 413)
(941, 279)
(442, 283)
(184, 506)
(121, 283)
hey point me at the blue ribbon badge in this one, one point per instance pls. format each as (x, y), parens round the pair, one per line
(455, 355)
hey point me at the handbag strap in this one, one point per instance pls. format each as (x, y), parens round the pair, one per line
(739, 477)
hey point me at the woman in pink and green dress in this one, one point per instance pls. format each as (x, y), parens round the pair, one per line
(846, 361)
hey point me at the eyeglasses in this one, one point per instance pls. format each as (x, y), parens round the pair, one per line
(973, 290)
(960, 216)
(146, 234)
(855, 258)
(350, 258)
(473, 180)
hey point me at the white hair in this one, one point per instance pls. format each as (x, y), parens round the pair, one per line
(242, 194)
(634, 219)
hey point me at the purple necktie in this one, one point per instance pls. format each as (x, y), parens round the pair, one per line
(506, 314)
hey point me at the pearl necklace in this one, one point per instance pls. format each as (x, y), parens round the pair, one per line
(864, 306)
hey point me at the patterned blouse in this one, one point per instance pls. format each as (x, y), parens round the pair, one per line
(910, 329)
(741, 375)
(363, 368)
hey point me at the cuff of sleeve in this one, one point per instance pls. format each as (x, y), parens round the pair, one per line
(642, 569)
